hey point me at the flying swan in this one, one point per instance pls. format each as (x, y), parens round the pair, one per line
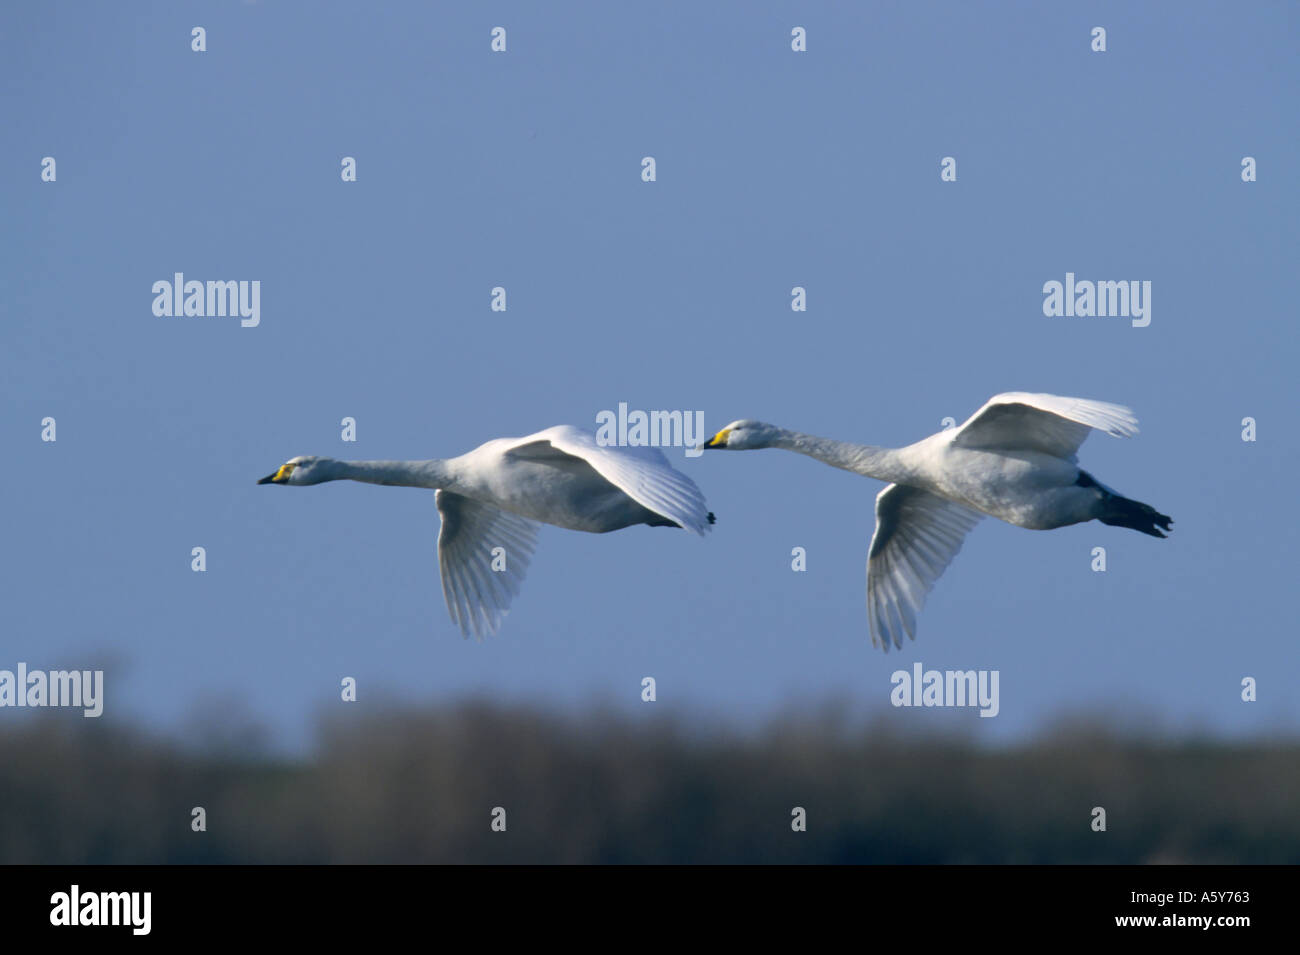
(496, 495)
(1013, 460)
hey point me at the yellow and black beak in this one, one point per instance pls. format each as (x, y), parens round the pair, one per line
(279, 477)
(719, 440)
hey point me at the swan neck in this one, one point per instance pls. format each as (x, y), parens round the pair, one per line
(430, 474)
(883, 464)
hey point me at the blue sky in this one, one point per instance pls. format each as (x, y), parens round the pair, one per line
(522, 169)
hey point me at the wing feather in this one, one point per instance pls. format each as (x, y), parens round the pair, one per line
(477, 596)
(642, 473)
(917, 536)
(1019, 420)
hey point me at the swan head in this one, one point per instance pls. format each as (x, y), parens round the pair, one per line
(304, 469)
(743, 435)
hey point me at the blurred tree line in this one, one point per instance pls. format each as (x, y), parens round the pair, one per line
(417, 785)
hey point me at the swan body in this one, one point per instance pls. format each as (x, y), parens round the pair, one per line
(493, 498)
(1015, 459)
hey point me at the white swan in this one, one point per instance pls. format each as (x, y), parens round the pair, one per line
(1014, 460)
(495, 496)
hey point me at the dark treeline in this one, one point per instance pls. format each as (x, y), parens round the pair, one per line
(410, 785)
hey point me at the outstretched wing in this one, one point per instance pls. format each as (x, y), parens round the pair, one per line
(1019, 421)
(642, 473)
(917, 536)
(477, 595)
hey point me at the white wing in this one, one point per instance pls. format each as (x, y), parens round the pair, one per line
(478, 596)
(642, 473)
(917, 536)
(1020, 421)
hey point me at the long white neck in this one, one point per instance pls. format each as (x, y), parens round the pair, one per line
(431, 474)
(883, 464)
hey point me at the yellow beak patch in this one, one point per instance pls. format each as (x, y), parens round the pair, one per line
(719, 440)
(283, 473)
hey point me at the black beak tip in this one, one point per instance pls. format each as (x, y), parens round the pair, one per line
(269, 479)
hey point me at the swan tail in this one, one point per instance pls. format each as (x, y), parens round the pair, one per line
(1119, 511)
(1122, 512)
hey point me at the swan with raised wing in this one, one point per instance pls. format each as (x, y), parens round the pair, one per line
(493, 498)
(1015, 459)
